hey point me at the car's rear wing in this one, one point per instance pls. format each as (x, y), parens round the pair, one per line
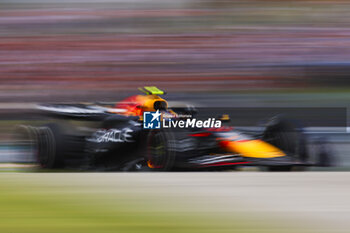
(81, 111)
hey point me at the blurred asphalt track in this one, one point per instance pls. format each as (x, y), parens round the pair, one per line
(261, 202)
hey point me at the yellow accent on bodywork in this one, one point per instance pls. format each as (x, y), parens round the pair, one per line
(151, 90)
(149, 164)
(148, 104)
(254, 149)
(225, 117)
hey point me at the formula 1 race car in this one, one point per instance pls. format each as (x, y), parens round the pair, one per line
(116, 137)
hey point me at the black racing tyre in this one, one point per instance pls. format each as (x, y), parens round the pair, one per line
(51, 146)
(26, 143)
(160, 154)
(285, 135)
(44, 145)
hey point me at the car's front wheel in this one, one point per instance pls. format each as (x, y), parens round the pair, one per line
(160, 154)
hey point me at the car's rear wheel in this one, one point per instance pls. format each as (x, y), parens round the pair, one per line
(51, 150)
(44, 145)
(26, 143)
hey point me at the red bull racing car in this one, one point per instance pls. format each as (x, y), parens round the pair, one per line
(142, 133)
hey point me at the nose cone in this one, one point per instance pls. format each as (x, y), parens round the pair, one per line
(252, 148)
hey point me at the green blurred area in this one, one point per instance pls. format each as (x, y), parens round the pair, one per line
(62, 203)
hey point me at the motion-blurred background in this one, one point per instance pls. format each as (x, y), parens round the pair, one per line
(83, 50)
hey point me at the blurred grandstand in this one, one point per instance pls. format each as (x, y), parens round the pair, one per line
(96, 50)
